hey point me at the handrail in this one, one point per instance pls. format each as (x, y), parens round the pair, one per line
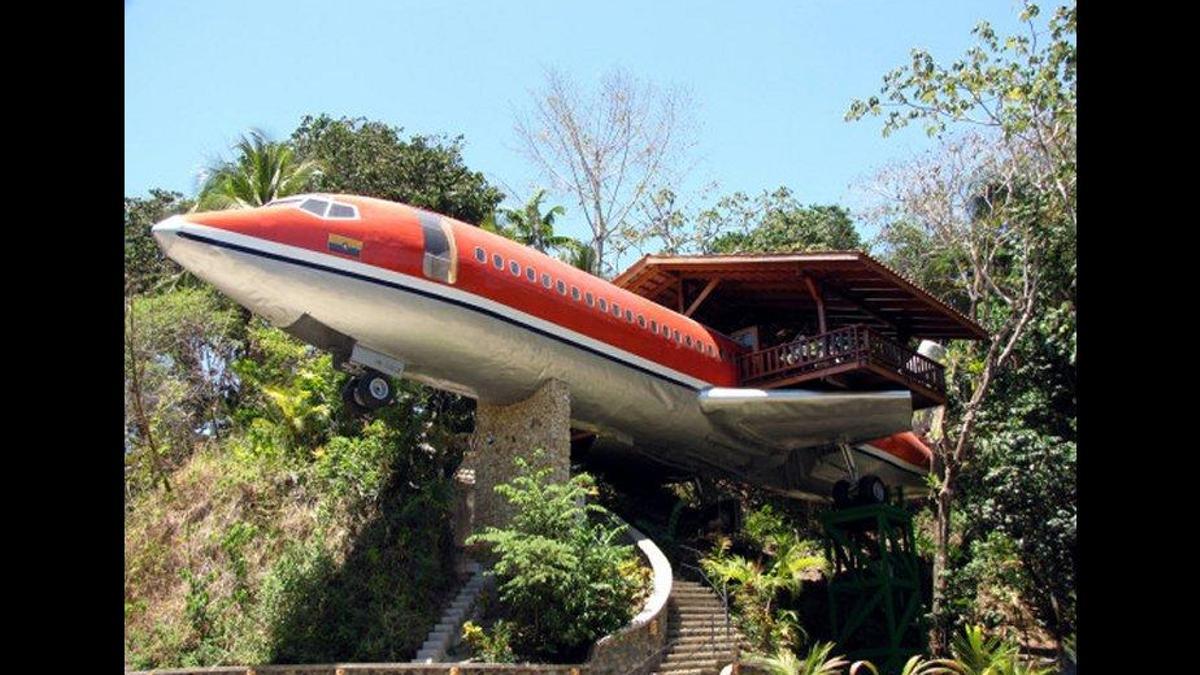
(855, 343)
(723, 594)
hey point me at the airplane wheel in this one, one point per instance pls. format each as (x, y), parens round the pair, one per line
(349, 400)
(871, 490)
(841, 494)
(373, 391)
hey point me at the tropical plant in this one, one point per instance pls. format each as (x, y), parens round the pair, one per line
(785, 662)
(263, 170)
(559, 574)
(977, 654)
(581, 257)
(531, 227)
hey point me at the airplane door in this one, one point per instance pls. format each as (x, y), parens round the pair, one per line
(440, 261)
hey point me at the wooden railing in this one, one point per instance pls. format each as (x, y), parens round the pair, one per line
(852, 345)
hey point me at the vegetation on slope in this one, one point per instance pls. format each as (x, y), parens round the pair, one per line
(264, 523)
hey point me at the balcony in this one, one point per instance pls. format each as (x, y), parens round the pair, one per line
(854, 358)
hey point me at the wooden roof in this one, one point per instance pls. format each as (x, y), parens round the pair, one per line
(855, 288)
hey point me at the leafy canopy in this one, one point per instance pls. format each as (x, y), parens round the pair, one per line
(371, 158)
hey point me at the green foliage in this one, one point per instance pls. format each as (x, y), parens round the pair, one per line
(371, 158)
(785, 662)
(759, 586)
(529, 226)
(493, 648)
(559, 574)
(777, 222)
(993, 217)
(263, 170)
(1019, 84)
(977, 654)
(146, 268)
(176, 343)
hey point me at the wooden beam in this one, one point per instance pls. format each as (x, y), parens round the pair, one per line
(679, 291)
(857, 302)
(812, 288)
(712, 283)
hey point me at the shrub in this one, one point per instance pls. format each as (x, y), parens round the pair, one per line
(559, 573)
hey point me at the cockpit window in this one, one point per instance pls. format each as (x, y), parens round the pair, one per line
(342, 211)
(317, 207)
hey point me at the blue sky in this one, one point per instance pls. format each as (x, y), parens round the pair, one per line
(771, 80)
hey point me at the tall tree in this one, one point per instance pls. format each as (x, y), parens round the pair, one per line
(263, 170)
(371, 158)
(609, 149)
(998, 205)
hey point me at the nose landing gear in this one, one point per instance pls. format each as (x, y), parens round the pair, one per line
(370, 391)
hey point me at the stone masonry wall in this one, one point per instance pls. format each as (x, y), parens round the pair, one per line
(505, 432)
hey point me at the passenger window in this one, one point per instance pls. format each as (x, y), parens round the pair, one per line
(547, 281)
(498, 261)
(515, 268)
(575, 293)
(441, 257)
(603, 305)
(562, 287)
(531, 274)
(616, 309)
(480, 255)
(676, 334)
(641, 321)
(589, 299)
(653, 326)
(688, 340)
(629, 316)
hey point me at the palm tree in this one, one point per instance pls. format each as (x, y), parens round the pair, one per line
(580, 256)
(531, 227)
(263, 170)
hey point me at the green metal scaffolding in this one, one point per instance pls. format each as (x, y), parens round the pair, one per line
(875, 601)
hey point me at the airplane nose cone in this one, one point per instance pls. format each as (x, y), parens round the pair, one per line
(166, 233)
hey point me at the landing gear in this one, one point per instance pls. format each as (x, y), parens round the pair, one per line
(871, 490)
(868, 490)
(841, 494)
(370, 391)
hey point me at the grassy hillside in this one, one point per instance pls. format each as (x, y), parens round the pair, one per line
(274, 527)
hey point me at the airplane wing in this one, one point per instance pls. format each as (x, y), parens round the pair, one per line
(791, 419)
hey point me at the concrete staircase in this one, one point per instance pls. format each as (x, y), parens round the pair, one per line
(448, 630)
(698, 640)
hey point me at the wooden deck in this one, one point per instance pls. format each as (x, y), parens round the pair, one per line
(854, 358)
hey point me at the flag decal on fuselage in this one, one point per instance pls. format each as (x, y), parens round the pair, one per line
(344, 245)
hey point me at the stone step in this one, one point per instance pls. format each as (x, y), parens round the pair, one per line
(692, 629)
(700, 663)
(690, 641)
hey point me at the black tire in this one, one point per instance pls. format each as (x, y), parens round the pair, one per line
(349, 402)
(871, 490)
(373, 390)
(841, 494)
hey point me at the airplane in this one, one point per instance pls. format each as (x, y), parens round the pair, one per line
(396, 291)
